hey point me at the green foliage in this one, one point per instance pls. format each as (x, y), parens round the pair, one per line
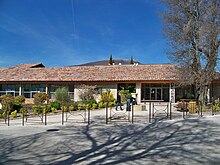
(112, 104)
(131, 88)
(88, 106)
(124, 95)
(90, 102)
(80, 107)
(7, 101)
(17, 106)
(101, 105)
(20, 99)
(54, 110)
(37, 109)
(40, 98)
(46, 108)
(14, 114)
(23, 111)
(62, 96)
(64, 108)
(71, 107)
(94, 106)
(215, 107)
(4, 115)
(55, 104)
(107, 97)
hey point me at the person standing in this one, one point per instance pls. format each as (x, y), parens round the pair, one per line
(128, 103)
(118, 102)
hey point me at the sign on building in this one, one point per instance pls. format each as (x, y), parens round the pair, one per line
(172, 95)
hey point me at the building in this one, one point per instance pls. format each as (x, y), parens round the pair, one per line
(151, 82)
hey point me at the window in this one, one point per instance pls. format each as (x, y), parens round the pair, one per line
(29, 90)
(52, 89)
(155, 92)
(12, 89)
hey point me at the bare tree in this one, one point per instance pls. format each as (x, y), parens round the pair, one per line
(87, 92)
(193, 30)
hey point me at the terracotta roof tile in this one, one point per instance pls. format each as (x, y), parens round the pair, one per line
(90, 73)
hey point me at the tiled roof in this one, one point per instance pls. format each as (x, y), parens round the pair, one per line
(163, 72)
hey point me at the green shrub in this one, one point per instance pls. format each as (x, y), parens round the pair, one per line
(37, 109)
(17, 106)
(107, 97)
(112, 104)
(14, 114)
(215, 107)
(124, 95)
(90, 102)
(88, 106)
(54, 110)
(23, 111)
(46, 108)
(7, 102)
(100, 105)
(4, 115)
(71, 107)
(94, 106)
(64, 108)
(40, 98)
(61, 95)
(55, 104)
(20, 99)
(80, 107)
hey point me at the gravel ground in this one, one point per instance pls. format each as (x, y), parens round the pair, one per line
(190, 141)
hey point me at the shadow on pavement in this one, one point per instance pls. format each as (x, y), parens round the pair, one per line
(190, 141)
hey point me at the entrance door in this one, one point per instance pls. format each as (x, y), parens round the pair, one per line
(156, 93)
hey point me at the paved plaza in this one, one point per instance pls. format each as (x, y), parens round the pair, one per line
(193, 140)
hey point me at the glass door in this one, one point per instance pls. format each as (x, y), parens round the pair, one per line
(156, 93)
(153, 94)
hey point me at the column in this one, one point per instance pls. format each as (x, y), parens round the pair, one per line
(20, 90)
(47, 89)
(138, 92)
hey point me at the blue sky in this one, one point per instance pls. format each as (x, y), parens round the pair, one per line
(71, 32)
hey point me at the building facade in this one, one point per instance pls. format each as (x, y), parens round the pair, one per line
(150, 82)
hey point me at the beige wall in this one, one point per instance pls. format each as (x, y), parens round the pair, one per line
(138, 92)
